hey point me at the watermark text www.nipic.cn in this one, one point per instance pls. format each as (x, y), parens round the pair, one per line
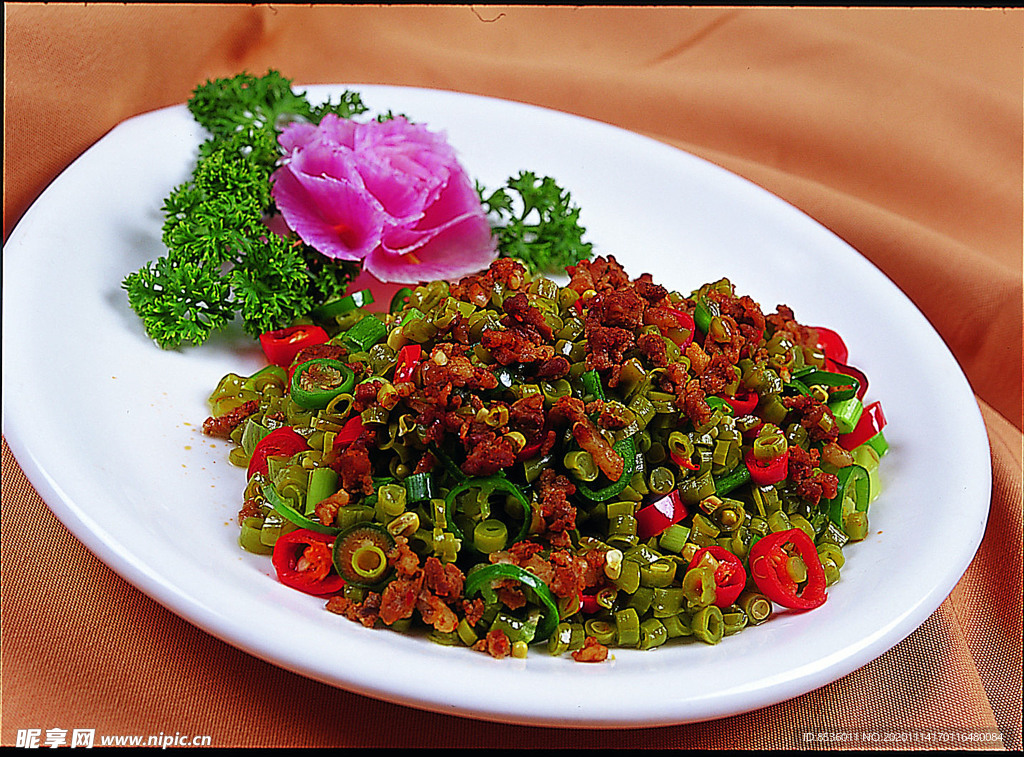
(934, 738)
(86, 738)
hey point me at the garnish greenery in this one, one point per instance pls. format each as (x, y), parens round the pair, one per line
(222, 261)
(537, 223)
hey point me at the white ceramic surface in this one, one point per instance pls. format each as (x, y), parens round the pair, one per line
(106, 425)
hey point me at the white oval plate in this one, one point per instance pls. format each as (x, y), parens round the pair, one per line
(106, 425)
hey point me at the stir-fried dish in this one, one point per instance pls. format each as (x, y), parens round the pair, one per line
(506, 461)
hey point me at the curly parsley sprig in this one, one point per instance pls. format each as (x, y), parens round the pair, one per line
(244, 101)
(538, 223)
(222, 261)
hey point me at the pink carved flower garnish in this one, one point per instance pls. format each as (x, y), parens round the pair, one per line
(390, 194)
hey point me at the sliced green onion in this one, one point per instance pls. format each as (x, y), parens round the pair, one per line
(368, 332)
(343, 305)
(323, 483)
(847, 413)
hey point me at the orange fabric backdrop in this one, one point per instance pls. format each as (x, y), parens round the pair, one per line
(900, 130)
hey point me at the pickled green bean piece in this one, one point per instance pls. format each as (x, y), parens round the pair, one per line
(856, 525)
(730, 515)
(567, 637)
(757, 607)
(352, 514)
(602, 630)
(641, 599)
(652, 634)
(661, 480)
(868, 458)
(677, 625)
(273, 526)
(832, 552)
(769, 444)
(779, 521)
(238, 457)
(667, 601)
(252, 433)
(799, 521)
(773, 410)
(249, 538)
(708, 625)
(699, 586)
(627, 627)
(658, 573)
(490, 535)
(629, 577)
(693, 490)
(797, 569)
(622, 531)
(734, 620)
(673, 538)
(580, 465)
(322, 484)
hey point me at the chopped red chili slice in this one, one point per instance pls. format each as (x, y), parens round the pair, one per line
(771, 472)
(837, 367)
(730, 576)
(281, 346)
(349, 432)
(685, 321)
(683, 461)
(872, 420)
(408, 358)
(742, 403)
(530, 451)
(304, 561)
(831, 344)
(284, 442)
(656, 517)
(769, 560)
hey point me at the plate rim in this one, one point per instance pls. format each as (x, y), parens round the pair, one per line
(49, 488)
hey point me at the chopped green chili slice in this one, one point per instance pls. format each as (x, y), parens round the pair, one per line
(281, 505)
(487, 486)
(592, 384)
(360, 555)
(419, 487)
(878, 443)
(316, 382)
(704, 311)
(827, 379)
(249, 537)
(717, 403)
(627, 449)
(627, 627)
(855, 486)
(481, 580)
